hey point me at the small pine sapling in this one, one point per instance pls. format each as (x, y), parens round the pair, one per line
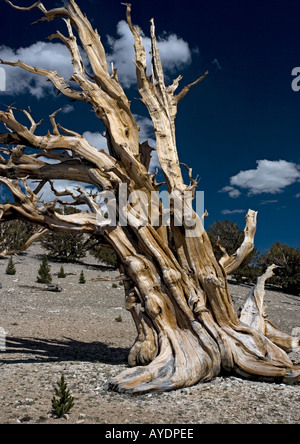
(64, 401)
(11, 270)
(61, 273)
(82, 278)
(44, 275)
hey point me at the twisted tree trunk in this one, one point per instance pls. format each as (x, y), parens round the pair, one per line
(177, 292)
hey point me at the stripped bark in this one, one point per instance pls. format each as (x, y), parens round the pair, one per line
(177, 292)
(231, 263)
(254, 315)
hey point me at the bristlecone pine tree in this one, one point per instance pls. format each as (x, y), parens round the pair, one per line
(61, 274)
(188, 329)
(44, 273)
(10, 269)
(16, 236)
(64, 245)
(62, 404)
(82, 278)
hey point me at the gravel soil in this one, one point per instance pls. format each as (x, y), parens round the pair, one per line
(85, 332)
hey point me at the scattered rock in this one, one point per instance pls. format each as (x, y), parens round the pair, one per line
(53, 287)
(296, 331)
(26, 418)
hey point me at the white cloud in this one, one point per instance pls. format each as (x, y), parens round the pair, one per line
(53, 56)
(266, 202)
(146, 133)
(67, 109)
(233, 192)
(217, 64)
(47, 195)
(96, 139)
(175, 54)
(174, 51)
(270, 176)
(146, 127)
(233, 211)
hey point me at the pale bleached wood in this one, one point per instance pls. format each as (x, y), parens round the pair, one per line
(254, 315)
(231, 263)
(253, 312)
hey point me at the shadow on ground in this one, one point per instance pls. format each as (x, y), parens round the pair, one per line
(34, 350)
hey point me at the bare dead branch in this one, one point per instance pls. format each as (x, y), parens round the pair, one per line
(253, 312)
(58, 81)
(231, 263)
(23, 8)
(194, 182)
(53, 122)
(187, 88)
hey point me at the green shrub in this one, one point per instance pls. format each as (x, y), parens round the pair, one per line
(105, 255)
(14, 234)
(10, 270)
(44, 275)
(82, 278)
(287, 275)
(61, 273)
(63, 404)
(231, 238)
(64, 245)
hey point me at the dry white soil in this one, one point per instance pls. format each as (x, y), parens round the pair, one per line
(75, 332)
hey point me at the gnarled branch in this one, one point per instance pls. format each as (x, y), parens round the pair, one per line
(231, 263)
(34, 238)
(254, 314)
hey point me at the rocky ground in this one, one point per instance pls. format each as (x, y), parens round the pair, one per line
(85, 333)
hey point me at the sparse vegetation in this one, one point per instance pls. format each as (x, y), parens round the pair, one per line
(14, 234)
(92, 296)
(82, 278)
(63, 404)
(61, 274)
(105, 255)
(66, 246)
(287, 275)
(230, 237)
(44, 274)
(10, 270)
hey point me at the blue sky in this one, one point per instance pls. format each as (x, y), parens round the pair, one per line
(239, 129)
